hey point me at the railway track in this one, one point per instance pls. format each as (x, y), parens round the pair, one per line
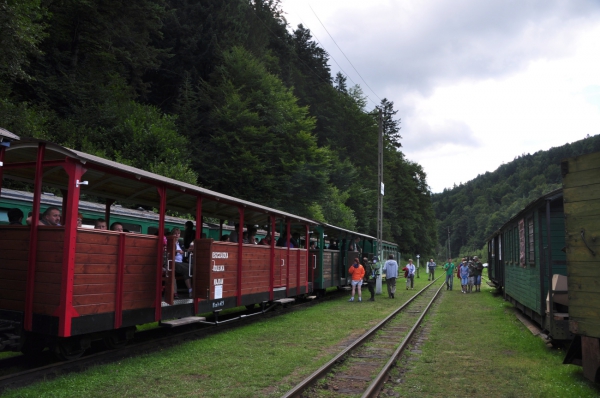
(20, 371)
(361, 369)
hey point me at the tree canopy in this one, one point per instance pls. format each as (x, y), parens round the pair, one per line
(219, 93)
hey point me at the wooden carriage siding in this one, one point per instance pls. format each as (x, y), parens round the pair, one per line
(518, 256)
(581, 181)
(581, 187)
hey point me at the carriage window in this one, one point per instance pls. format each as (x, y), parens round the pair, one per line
(516, 246)
(133, 227)
(531, 241)
(499, 247)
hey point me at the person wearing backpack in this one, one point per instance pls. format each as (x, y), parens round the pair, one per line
(371, 274)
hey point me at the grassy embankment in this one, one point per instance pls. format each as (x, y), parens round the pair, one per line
(267, 358)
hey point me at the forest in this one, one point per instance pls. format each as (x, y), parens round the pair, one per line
(224, 94)
(469, 213)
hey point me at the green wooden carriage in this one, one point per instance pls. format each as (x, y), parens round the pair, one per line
(524, 256)
(581, 187)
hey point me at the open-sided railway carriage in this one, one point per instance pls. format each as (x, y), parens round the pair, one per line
(63, 287)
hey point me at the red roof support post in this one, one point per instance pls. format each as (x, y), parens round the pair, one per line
(64, 216)
(35, 220)
(198, 236)
(160, 251)
(307, 262)
(65, 310)
(120, 278)
(199, 217)
(240, 254)
(287, 239)
(272, 259)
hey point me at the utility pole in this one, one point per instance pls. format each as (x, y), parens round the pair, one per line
(449, 242)
(380, 200)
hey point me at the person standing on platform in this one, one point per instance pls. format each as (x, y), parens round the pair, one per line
(431, 267)
(358, 272)
(449, 268)
(391, 273)
(410, 267)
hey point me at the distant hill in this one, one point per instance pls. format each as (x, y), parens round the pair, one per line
(479, 207)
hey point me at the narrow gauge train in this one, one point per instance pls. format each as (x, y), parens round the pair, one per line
(547, 261)
(63, 287)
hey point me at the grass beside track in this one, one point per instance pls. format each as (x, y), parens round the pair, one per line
(265, 359)
(475, 348)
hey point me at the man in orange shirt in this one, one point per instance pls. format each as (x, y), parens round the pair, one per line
(358, 272)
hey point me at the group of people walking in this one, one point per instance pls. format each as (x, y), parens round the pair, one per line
(469, 272)
(368, 272)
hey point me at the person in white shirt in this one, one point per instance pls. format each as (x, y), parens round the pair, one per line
(391, 273)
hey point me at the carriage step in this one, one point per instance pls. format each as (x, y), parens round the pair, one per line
(183, 321)
(311, 297)
(284, 301)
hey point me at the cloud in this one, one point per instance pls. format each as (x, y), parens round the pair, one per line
(425, 137)
(485, 79)
(421, 44)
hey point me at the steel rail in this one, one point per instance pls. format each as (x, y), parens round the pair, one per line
(377, 384)
(317, 374)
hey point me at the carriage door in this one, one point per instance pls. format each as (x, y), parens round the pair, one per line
(169, 270)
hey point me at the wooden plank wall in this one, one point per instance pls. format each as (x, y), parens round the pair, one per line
(48, 269)
(280, 273)
(13, 266)
(581, 189)
(206, 273)
(94, 284)
(95, 279)
(521, 282)
(255, 269)
(139, 281)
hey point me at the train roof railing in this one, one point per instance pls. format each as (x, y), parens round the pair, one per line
(112, 180)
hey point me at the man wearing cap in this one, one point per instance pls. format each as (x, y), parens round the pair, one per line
(478, 270)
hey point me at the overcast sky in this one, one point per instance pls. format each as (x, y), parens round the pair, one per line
(476, 83)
